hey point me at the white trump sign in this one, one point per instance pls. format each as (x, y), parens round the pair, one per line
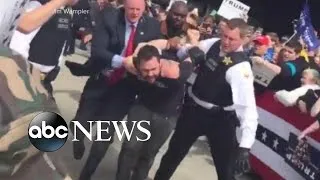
(262, 75)
(233, 9)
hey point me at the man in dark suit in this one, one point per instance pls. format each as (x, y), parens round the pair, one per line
(109, 93)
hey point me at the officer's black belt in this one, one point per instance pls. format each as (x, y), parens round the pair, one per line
(207, 105)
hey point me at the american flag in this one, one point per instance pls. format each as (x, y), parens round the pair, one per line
(272, 153)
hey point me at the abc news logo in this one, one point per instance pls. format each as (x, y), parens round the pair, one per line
(48, 131)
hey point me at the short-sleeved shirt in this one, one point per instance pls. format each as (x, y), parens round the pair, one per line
(20, 42)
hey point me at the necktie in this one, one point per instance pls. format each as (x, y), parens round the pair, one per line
(118, 73)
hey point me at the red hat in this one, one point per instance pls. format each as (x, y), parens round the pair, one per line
(262, 40)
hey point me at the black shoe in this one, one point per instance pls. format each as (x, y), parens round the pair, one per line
(78, 149)
(77, 69)
(52, 98)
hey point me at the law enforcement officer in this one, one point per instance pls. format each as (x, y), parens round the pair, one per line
(222, 94)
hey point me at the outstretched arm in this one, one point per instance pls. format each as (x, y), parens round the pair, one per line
(36, 18)
(312, 128)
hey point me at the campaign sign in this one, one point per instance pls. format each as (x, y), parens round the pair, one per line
(262, 75)
(304, 158)
(233, 9)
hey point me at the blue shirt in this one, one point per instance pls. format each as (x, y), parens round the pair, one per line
(118, 58)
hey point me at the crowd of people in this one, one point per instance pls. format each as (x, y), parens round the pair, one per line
(161, 62)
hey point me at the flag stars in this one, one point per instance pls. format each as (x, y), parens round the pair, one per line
(264, 136)
(275, 143)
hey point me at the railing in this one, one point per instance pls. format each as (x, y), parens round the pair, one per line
(279, 126)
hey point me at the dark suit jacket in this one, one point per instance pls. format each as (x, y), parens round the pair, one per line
(109, 35)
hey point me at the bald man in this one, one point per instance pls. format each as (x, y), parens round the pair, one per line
(110, 91)
(177, 15)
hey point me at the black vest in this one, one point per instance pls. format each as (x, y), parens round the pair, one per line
(211, 84)
(47, 45)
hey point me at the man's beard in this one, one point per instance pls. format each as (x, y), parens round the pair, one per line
(151, 79)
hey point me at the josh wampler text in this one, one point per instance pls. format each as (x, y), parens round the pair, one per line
(72, 12)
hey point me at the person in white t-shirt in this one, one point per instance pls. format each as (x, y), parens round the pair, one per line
(20, 42)
(309, 80)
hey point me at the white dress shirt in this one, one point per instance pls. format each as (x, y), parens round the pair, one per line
(240, 78)
(118, 58)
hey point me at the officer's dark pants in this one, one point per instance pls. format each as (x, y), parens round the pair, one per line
(195, 121)
(137, 157)
(101, 102)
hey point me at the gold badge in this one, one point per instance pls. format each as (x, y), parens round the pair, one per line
(42, 76)
(227, 61)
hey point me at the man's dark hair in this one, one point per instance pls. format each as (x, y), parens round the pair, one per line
(146, 53)
(162, 3)
(220, 18)
(284, 39)
(240, 24)
(273, 36)
(211, 18)
(296, 45)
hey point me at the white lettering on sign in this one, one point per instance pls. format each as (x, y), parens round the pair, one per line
(233, 9)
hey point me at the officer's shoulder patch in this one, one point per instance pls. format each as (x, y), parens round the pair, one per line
(245, 72)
